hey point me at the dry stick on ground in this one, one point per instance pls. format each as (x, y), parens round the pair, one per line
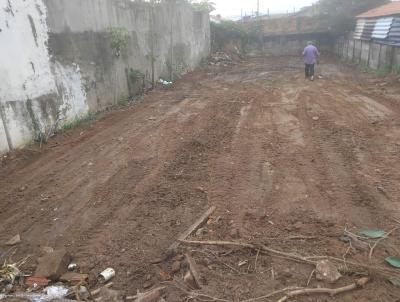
(386, 272)
(255, 262)
(285, 255)
(371, 251)
(327, 291)
(202, 220)
(309, 278)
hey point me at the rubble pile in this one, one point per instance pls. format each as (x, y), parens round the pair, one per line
(221, 59)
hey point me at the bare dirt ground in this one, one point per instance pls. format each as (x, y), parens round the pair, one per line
(288, 163)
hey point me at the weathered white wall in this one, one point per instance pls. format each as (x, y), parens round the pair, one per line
(32, 95)
(56, 63)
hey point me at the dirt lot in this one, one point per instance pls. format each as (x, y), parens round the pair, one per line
(288, 163)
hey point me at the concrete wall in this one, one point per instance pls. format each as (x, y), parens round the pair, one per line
(369, 54)
(57, 64)
(292, 45)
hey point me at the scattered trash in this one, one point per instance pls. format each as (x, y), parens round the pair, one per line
(106, 275)
(374, 234)
(56, 291)
(36, 282)
(14, 240)
(327, 271)
(9, 273)
(244, 262)
(165, 83)
(393, 261)
(72, 267)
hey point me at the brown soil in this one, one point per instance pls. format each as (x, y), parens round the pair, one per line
(278, 156)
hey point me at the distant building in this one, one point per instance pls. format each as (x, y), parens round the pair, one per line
(381, 24)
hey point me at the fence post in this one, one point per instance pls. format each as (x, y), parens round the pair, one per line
(379, 56)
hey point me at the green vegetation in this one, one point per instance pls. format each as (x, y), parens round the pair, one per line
(119, 39)
(135, 81)
(203, 5)
(239, 33)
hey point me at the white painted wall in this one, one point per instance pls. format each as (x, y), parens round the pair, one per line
(27, 73)
(25, 63)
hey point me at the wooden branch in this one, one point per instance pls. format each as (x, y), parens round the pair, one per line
(371, 251)
(171, 251)
(150, 296)
(252, 246)
(382, 271)
(194, 271)
(326, 291)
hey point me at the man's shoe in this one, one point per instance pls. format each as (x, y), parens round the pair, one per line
(312, 78)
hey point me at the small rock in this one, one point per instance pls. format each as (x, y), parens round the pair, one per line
(298, 225)
(315, 118)
(13, 241)
(234, 233)
(176, 267)
(327, 271)
(22, 189)
(201, 231)
(148, 284)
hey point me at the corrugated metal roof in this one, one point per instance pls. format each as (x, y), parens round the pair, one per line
(394, 32)
(368, 29)
(382, 28)
(390, 9)
(359, 28)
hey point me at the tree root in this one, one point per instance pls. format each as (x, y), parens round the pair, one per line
(326, 291)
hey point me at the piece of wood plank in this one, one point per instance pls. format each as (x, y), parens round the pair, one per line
(194, 271)
(172, 250)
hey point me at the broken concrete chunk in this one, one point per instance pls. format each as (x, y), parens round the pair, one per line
(327, 271)
(13, 241)
(74, 278)
(53, 265)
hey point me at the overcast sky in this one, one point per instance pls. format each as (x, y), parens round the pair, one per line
(228, 8)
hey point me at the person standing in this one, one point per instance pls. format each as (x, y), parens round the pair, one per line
(311, 55)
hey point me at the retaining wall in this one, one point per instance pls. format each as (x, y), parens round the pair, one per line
(57, 64)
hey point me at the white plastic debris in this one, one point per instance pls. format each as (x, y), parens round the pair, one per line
(107, 275)
(165, 83)
(56, 291)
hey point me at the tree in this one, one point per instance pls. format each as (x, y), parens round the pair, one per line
(341, 13)
(203, 5)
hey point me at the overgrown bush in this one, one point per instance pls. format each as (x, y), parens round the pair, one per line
(229, 31)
